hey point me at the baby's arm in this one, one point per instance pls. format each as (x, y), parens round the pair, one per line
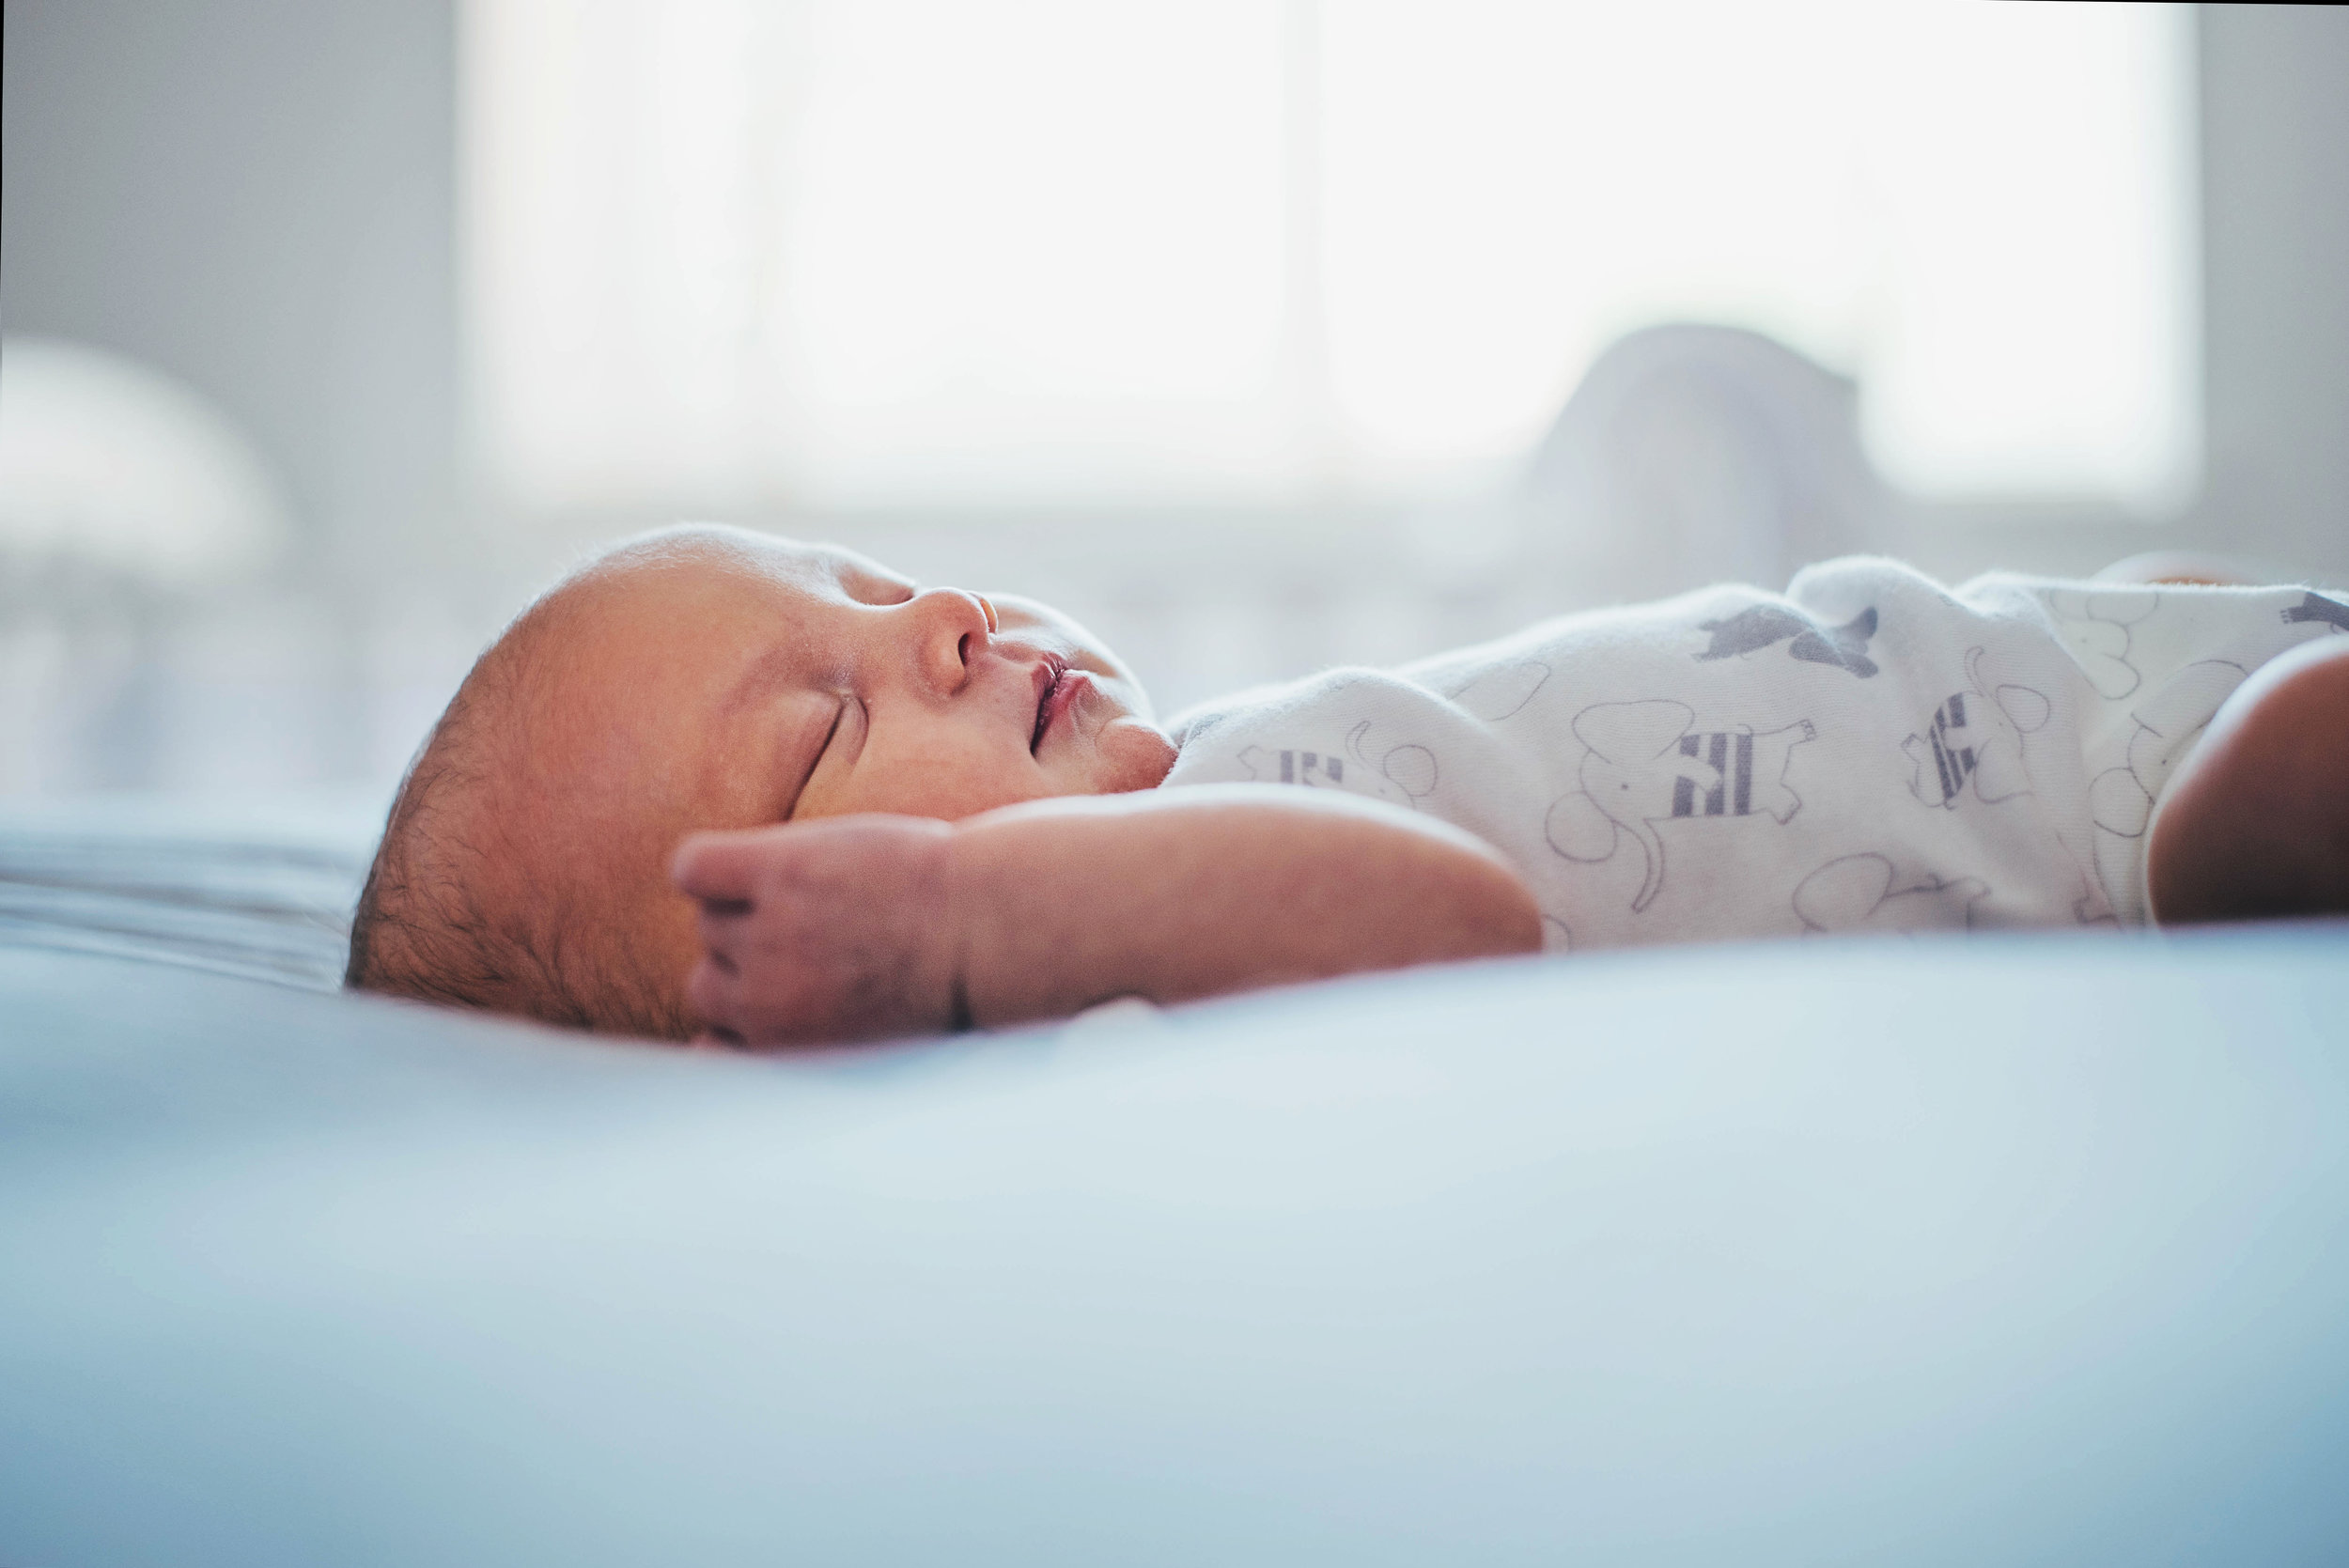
(872, 925)
(2255, 822)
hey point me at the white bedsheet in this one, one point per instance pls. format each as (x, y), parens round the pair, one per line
(2007, 1251)
(259, 888)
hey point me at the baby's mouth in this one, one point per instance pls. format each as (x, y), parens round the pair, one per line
(1051, 673)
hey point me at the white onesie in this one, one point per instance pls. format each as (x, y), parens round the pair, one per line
(1870, 750)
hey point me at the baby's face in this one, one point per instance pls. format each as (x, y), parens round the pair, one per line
(714, 679)
(767, 681)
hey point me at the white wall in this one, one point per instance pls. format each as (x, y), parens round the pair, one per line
(257, 197)
(2275, 278)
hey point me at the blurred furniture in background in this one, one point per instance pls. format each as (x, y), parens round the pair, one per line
(1692, 455)
(113, 465)
(144, 564)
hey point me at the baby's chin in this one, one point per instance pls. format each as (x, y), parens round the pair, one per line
(1131, 753)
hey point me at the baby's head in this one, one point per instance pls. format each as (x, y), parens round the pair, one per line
(708, 678)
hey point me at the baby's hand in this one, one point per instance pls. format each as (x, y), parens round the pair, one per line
(829, 930)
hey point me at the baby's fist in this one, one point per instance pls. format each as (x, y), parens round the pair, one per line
(834, 929)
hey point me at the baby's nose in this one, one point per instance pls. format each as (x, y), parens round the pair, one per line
(952, 625)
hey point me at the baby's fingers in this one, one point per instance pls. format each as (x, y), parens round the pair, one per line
(713, 992)
(719, 935)
(718, 868)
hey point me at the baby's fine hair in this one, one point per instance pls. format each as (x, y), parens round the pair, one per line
(451, 914)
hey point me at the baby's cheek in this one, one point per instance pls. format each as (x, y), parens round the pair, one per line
(940, 780)
(952, 793)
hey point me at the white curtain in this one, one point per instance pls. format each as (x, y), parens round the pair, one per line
(892, 253)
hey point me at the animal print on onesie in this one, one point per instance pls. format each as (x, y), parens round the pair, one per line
(1867, 752)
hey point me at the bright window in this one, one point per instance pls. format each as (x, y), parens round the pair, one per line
(910, 253)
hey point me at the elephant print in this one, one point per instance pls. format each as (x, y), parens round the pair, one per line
(2120, 800)
(1974, 739)
(1856, 892)
(1648, 764)
(1403, 774)
(2095, 628)
(2316, 607)
(1760, 626)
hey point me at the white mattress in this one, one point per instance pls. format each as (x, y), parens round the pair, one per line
(1960, 1252)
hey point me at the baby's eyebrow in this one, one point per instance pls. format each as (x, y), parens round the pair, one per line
(850, 575)
(846, 567)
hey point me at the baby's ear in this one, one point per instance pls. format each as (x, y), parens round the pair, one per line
(1628, 732)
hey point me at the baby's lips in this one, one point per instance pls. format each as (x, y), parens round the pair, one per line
(1072, 685)
(1048, 678)
(1045, 671)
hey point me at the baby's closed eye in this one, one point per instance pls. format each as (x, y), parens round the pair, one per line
(836, 753)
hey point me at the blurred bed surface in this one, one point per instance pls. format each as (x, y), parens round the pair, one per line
(260, 888)
(1916, 1251)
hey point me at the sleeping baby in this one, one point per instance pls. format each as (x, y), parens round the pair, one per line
(720, 784)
